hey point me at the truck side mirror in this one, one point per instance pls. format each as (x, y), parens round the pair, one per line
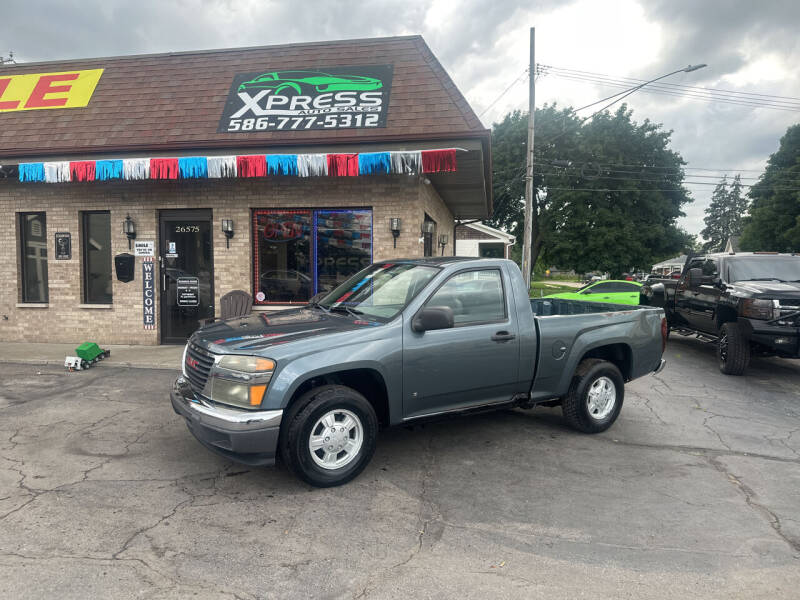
(695, 276)
(433, 317)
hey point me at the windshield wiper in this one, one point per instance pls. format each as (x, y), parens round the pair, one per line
(318, 305)
(351, 311)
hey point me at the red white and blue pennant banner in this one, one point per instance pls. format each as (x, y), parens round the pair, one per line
(256, 165)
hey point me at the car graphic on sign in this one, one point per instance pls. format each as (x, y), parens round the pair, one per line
(307, 81)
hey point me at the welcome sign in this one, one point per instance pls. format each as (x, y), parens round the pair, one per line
(326, 98)
(148, 293)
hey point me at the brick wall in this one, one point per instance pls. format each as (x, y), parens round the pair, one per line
(433, 205)
(65, 319)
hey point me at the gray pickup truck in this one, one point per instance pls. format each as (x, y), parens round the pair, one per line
(400, 342)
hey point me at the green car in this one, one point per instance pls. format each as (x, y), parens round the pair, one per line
(303, 81)
(613, 291)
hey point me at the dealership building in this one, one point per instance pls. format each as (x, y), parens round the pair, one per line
(136, 191)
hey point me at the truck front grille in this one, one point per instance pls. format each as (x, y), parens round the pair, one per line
(198, 366)
(789, 313)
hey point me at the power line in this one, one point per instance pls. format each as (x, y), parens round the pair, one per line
(685, 168)
(666, 84)
(662, 89)
(496, 100)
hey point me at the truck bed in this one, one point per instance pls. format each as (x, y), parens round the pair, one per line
(571, 329)
(554, 307)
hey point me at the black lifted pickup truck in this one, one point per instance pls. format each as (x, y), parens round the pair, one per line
(745, 302)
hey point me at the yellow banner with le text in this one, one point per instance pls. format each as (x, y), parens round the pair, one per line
(67, 89)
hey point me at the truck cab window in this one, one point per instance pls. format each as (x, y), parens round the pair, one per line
(474, 296)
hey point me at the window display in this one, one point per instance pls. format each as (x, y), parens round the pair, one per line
(298, 253)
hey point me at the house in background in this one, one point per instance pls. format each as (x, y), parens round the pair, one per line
(477, 239)
(665, 267)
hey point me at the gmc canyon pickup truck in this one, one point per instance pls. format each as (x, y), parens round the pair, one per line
(744, 302)
(397, 343)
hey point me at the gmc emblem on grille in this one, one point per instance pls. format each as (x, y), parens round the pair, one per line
(192, 362)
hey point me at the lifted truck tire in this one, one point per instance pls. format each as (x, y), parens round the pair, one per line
(733, 350)
(595, 396)
(329, 435)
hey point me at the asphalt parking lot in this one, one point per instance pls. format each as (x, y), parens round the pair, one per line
(695, 492)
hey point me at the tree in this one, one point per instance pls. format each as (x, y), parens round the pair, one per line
(607, 192)
(725, 215)
(774, 221)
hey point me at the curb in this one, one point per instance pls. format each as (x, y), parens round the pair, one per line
(102, 364)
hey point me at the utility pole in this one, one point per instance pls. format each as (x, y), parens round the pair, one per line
(527, 267)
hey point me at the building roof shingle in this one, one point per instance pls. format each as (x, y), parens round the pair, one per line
(174, 101)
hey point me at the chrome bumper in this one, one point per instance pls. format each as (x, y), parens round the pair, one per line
(248, 436)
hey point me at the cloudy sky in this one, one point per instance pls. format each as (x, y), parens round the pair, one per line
(750, 47)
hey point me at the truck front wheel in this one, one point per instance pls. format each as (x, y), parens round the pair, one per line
(733, 350)
(329, 435)
(595, 396)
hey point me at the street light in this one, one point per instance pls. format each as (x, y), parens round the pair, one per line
(631, 90)
(527, 241)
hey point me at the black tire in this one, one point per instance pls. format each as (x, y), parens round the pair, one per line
(575, 406)
(733, 349)
(302, 418)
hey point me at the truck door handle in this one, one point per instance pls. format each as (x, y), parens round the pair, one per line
(503, 336)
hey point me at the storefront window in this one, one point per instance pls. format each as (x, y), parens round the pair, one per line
(298, 253)
(344, 245)
(96, 242)
(33, 250)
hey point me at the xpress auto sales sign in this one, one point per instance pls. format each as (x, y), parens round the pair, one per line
(325, 98)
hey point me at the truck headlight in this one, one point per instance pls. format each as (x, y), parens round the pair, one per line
(241, 380)
(246, 364)
(757, 308)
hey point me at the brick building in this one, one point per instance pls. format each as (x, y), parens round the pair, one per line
(136, 191)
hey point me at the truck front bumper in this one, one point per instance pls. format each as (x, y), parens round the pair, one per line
(783, 340)
(246, 436)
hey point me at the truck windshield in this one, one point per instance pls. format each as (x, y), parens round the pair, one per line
(380, 291)
(764, 268)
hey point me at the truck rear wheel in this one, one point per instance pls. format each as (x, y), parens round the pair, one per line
(595, 396)
(329, 435)
(733, 350)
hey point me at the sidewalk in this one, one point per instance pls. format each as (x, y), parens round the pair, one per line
(137, 357)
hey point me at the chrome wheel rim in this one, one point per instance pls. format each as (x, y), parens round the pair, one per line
(602, 398)
(723, 349)
(336, 439)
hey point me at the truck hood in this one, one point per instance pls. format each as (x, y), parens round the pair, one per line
(767, 289)
(264, 330)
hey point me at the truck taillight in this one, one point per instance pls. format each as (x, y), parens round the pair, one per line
(664, 332)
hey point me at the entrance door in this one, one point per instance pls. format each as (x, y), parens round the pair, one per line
(187, 272)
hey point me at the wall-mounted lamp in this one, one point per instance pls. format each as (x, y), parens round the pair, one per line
(227, 229)
(129, 229)
(394, 225)
(443, 241)
(428, 227)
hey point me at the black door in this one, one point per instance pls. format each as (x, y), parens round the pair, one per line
(186, 260)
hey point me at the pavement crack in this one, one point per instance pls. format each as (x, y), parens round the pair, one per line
(715, 432)
(652, 410)
(749, 498)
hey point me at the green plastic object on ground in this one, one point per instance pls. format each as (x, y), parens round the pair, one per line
(90, 352)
